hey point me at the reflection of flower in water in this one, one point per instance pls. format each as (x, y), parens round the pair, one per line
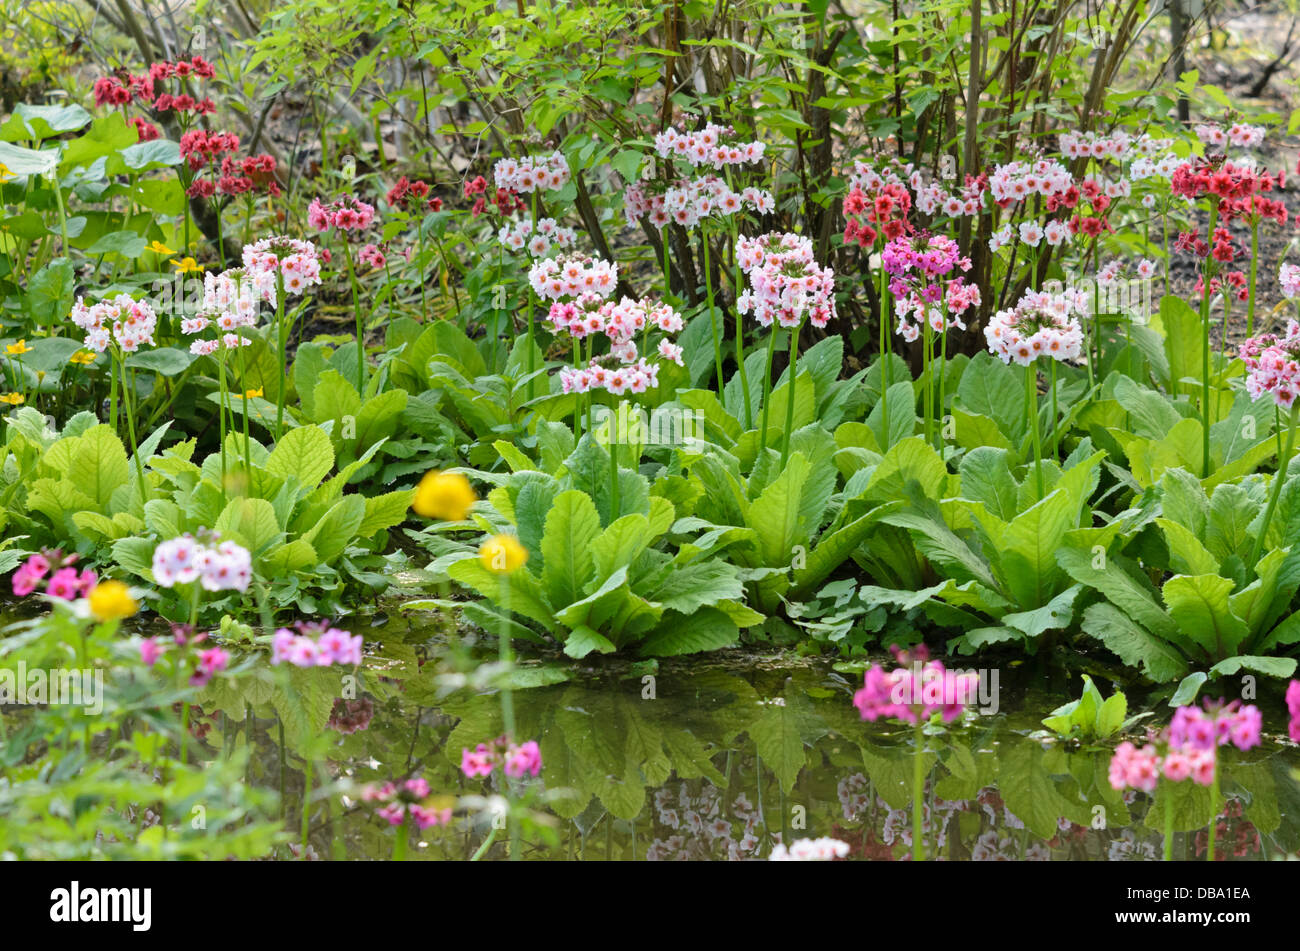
(853, 796)
(702, 831)
(1127, 848)
(1233, 829)
(990, 847)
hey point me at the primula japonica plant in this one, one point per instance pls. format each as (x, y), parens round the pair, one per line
(1186, 749)
(913, 692)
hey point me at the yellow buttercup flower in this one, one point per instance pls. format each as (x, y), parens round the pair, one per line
(5, 174)
(111, 599)
(13, 399)
(187, 266)
(252, 394)
(503, 554)
(157, 247)
(82, 358)
(18, 349)
(444, 495)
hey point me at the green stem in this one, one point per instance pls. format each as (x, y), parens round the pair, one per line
(918, 787)
(282, 333)
(1205, 345)
(361, 322)
(1214, 807)
(614, 437)
(306, 805)
(1169, 821)
(1283, 463)
(767, 385)
(130, 427)
(1031, 403)
(789, 403)
(713, 317)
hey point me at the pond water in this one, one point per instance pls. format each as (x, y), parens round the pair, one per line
(717, 757)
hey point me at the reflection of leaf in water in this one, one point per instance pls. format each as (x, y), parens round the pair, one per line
(1257, 780)
(1030, 792)
(304, 705)
(890, 770)
(230, 694)
(1191, 805)
(776, 734)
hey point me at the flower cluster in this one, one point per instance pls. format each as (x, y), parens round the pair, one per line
(507, 202)
(1019, 181)
(216, 565)
(572, 275)
(516, 760)
(1238, 134)
(348, 213)
(66, 583)
(785, 283)
(915, 690)
(526, 175)
(1273, 365)
(539, 240)
(877, 202)
(208, 661)
(315, 644)
(121, 89)
(131, 323)
(810, 850)
(407, 193)
(351, 716)
(1095, 145)
(1041, 324)
(715, 146)
(230, 301)
(397, 801)
(919, 266)
(294, 261)
(1187, 747)
(689, 201)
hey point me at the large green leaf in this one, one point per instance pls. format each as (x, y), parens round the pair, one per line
(572, 525)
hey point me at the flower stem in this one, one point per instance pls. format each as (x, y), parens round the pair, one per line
(789, 402)
(1283, 464)
(1205, 341)
(1031, 405)
(918, 788)
(713, 317)
(767, 385)
(1169, 822)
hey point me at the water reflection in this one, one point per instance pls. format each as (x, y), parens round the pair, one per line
(717, 758)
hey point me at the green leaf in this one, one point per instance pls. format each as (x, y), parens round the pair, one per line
(304, 453)
(572, 527)
(99, 464)
(1199, 605)
(1133, 644)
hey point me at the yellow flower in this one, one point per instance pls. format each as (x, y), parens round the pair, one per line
(444, 495)
(5, 174)
(82, 358)
(13, 399)
(252, 394)
(187, 266)
(157, 247)
(503, 553)
(111, 599)
(18, 349)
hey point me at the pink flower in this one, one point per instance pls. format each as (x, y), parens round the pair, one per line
(523, 759)
(65, 584)
(150, 651)
(479, 762)
(1293, 707)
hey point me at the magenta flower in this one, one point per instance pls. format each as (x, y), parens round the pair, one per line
(1293, 707)
(523, 759)
(915, 690)
(150, 651)
(479, 762)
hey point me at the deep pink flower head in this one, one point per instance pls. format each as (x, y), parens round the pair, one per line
(150, 651)
(916, 689)
(477, 762)
(64, 583)
(524, 759)
(1293, 707)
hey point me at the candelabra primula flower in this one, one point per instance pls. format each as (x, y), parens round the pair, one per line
(786, 285)
(1273, 365)
(315, 644)
(216, 565)
(915, 690)
(1041, 324)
